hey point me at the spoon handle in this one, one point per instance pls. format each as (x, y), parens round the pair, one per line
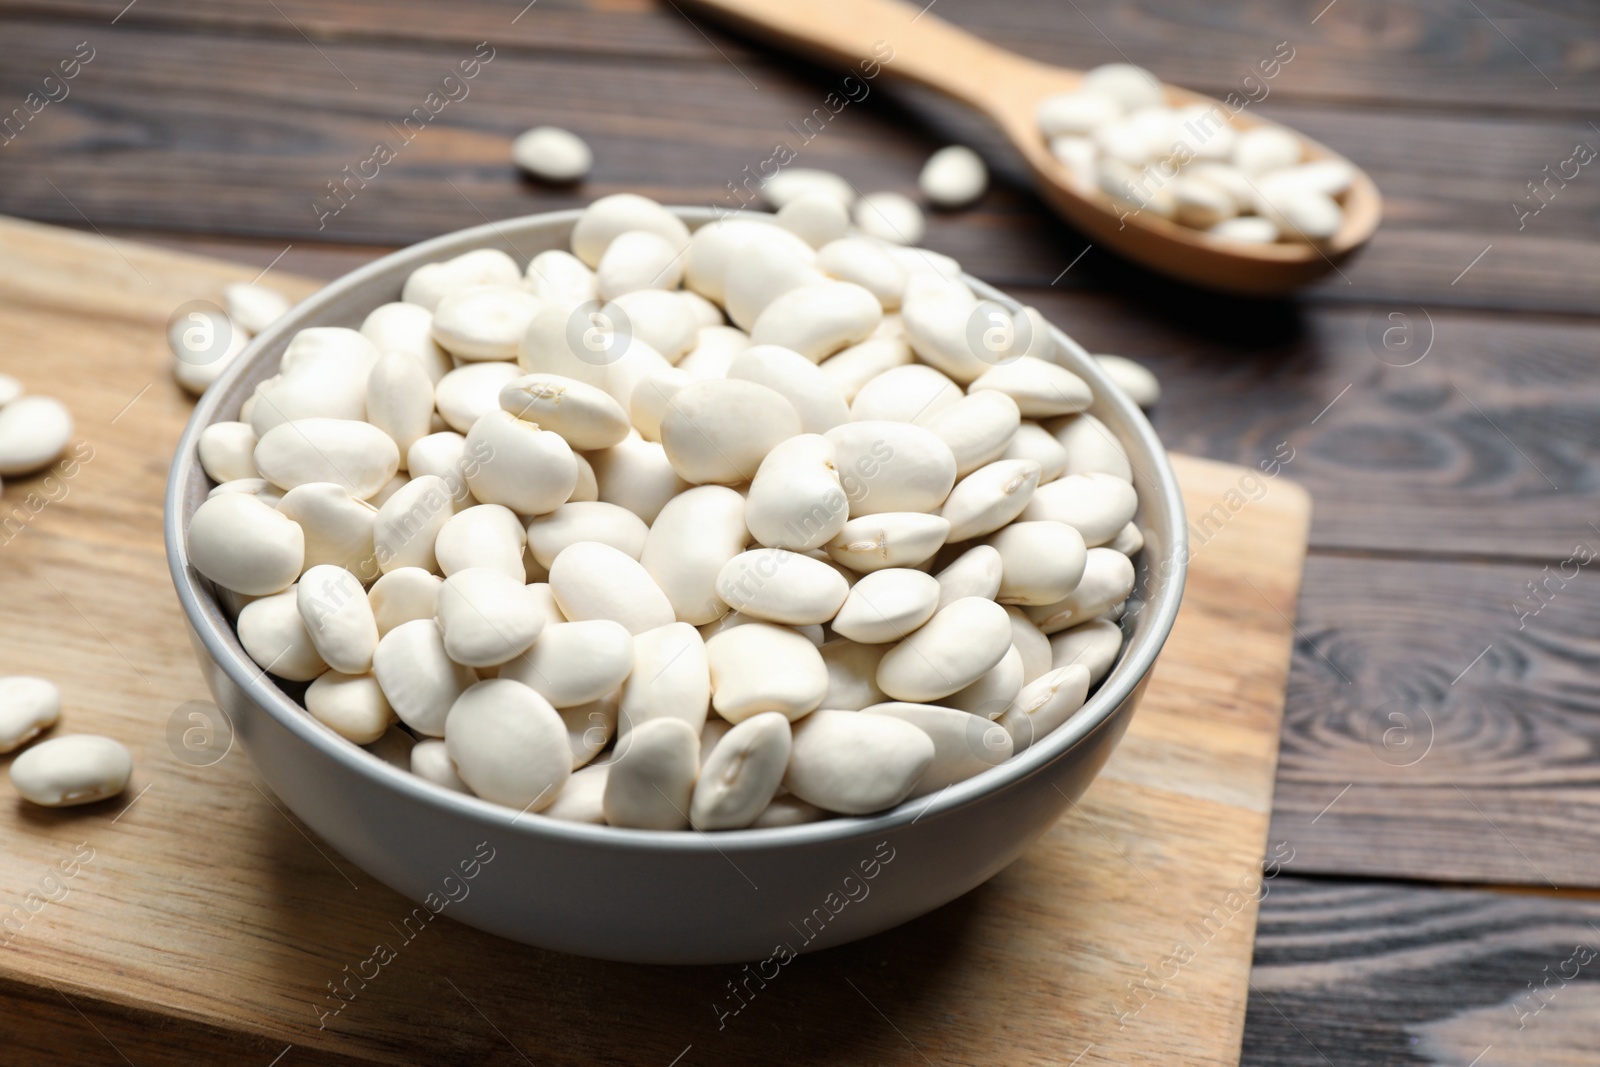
(905, 39)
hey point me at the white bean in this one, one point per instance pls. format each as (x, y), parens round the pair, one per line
(338, 617)
(73, 769)
(1107, 580)
(950, 652)
(430, 760)
(916, 393)
(713, 352)
(795, 499)
(816, 218)
(638, 259)
(852, 674)
(400, 399)
(1098, 506)
(227, 451)
(444, 454)
(889, 217)
(636, 474)
(27, 707)
(1091, 447)
(797, 379)
(243, 544)
(888, 539)
(587, 417)
(1080, 113)
(585, 521)
(953, 177)
(1132, 87)
(741, 773)
(887, 605)
(1039, 388)
(1044, 704)
(1266, 148)
(407, 328)
(486, 617)
(866, 263)
(1040, 562)
(484, 322)
(403, 532)
(595, 581)
(356, 455)
(1032, 646)
(418, 676)
(403, 595)
(34, 431)
(963, 744)
(818, 320)
(990, 497)
(431, 283)
(651, 781)
(527, 469)
(338, 528)
(977, 428)
(351, 705)
(670, 678)
(857, 365)
(556, 276)
(776, 585)
(855, 764)
(892, 466)
(488, 535)
(1247, 229)
(714, 245)
(552, 154)
(791, 183)
(606, 218)
(590, 727)
(253, 307)
(719, 431)
(1132, 378)
(275, 637)
(759, 667)
(1095, 644)
(976, 572)
(574, 663)
(762, 269)
(1032, 441)
(508, 744)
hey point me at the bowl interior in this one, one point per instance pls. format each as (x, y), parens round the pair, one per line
(1158, 587)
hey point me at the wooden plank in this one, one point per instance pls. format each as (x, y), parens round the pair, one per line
(1453, 454)
(207, 134)
(1411, 52)
(1397, 976)
(1442, 723)
(196, 913)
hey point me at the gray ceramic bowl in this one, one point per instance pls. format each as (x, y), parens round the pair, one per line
(645, 896)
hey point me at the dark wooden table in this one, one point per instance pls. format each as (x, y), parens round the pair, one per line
(1439, 786)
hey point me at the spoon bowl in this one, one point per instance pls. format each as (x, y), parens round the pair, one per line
(1008, 88)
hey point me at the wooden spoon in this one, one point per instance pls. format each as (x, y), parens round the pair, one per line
(1007, 88)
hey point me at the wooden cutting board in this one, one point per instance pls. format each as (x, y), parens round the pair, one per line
(192, 920)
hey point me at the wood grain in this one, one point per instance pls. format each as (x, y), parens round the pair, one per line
(1358, 52)
(197, 914)
(1400, 976)
(219, 133)
(1457, 751)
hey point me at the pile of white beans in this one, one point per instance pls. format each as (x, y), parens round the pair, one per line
(1189, 165)
(607, 556)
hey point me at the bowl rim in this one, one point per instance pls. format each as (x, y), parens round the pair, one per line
(205, 616)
